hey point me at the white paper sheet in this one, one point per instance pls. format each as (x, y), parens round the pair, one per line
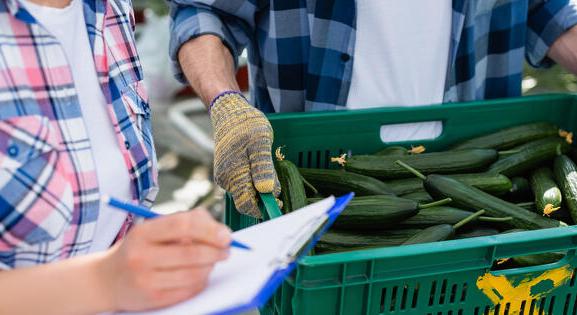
(236, 281)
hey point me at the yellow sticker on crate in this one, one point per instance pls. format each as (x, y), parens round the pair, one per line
(500, 290)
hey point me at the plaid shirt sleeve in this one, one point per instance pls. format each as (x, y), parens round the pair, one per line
(49, 194)
(546, 21)
(231, 20)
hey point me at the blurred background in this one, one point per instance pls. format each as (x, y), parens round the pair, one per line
(182, 128)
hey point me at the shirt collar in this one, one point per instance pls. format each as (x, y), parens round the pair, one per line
(18, 11)
(12, 6)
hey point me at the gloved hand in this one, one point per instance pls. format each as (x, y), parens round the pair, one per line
(243, 162)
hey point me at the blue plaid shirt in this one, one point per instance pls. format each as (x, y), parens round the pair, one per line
(301, 52)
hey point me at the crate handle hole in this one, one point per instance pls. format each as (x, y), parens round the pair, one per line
(428, 130)
(523, 263)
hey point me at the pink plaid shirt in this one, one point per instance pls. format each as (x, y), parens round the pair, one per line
(49, 196)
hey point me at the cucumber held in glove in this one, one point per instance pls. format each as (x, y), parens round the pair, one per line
(243, 162)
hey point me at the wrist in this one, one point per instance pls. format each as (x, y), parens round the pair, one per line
(222, 95)
(102, 276)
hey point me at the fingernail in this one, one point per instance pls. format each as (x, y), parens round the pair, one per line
(224, 235)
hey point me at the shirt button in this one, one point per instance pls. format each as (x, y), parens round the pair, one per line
(13, 150)
(345, 57)
(127, 145)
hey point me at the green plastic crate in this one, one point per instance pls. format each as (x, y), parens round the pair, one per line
(439, 278)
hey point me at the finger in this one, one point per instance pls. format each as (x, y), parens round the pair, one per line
(180, 278)
(243, 192)
(277, 187)
(260, 158)
(277, 191)
(196, 226)
(187, 255)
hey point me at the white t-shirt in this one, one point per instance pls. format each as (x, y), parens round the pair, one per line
(401, 59)
(69, 28)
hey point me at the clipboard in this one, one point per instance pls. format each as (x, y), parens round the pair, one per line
(277, 245)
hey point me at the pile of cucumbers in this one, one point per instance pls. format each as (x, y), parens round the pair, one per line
(516, 179)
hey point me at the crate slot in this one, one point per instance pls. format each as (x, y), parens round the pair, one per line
(464, 292)
(394, 299)
(453, 293)
(487, 309)
(460, 312)
(566, 307)
(443, 292)
(507, 308)
(497, 310)
(300, 161)
(575, 306)
(572, 282)
(415, 296)
(532, 307)
(551, 305)
(522, 308)
(327, 159)
(541, 307)
(404, 297)
(309, 159)
(383, 297)
(432, 293)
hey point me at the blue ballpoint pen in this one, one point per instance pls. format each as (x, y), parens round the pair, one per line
(148, 214)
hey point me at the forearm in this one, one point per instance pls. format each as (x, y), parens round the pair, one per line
(67, 287)
(208, 66)
(564, 50)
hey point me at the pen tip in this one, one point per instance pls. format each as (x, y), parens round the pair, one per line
(105, 198)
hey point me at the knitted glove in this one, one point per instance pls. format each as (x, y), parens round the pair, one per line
(242, 159)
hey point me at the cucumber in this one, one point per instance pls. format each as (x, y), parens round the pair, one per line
(431, 234)
(495, 184)
(468, 197)
(527, 206)
(441, 215)
(514, 231)
(418, 196)
(440, 232)
(565, 172)
(520, 189)
(377, 212)
(510, 137)
(547, 193)
(340, 182)
(393, 151)
(449, 162)
(530, 156)
(538, 259)
(336, 241)
(477, 232)
(293, 195)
